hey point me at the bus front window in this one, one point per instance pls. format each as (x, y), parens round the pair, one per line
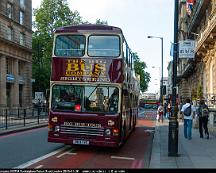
(70, 45)
(104, 45)
(85, 98)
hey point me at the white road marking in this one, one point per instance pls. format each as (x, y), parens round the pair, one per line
(123, 158)
(38, 167)
(70, 152)
(29, 163)
(148, 130)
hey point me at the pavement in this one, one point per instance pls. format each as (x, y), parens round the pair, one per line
(195, 153)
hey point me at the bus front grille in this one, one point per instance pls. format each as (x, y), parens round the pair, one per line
(90, 131)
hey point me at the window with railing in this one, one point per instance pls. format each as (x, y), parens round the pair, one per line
(9, 10)
(9, 33)
(22, 38)
(21, 17)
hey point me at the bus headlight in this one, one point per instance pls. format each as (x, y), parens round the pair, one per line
(107, 132)
(57, 128)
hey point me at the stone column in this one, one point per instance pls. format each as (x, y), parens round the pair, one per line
(27, 88)
(15, 86)
(3, 97)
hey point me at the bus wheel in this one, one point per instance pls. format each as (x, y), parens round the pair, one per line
(123, 135)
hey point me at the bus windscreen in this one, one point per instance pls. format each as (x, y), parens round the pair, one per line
(81, 98)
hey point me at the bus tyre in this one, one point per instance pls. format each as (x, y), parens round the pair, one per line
(123, 133)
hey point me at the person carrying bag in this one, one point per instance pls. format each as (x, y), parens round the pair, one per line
(203, 114)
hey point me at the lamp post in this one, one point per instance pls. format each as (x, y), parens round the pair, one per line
(161, 81)
(173, 122)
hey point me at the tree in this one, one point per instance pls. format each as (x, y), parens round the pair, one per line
(51, 15)
(139, 67)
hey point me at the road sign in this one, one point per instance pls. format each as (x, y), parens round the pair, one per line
(186, 49)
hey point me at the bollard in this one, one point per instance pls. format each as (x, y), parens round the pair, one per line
(24, 117)
(173, 138)
(6, 119)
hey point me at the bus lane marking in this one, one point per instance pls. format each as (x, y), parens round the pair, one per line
(31, 162)
(123, 158)
(137, 164)
(70, 152)
(39, 166)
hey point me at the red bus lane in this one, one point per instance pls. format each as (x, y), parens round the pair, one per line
(135, 153)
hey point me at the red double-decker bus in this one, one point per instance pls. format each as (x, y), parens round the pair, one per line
(93, 89)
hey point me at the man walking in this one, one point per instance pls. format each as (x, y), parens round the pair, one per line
(188, 113)
(203, 114)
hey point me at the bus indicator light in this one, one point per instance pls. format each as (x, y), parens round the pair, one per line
(115, 132)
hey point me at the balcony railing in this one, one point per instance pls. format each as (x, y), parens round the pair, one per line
(198, 11)
(206, 29)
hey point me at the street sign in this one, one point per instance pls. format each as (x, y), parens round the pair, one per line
(186, 49)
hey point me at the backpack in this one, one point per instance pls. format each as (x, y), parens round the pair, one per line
(204, 111)
(187, 111)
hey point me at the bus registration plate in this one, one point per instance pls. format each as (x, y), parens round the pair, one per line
(80, 142)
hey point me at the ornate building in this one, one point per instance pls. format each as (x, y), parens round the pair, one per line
(15, 53)
(198, 76)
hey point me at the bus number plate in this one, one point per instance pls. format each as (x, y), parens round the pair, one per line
(81, 142)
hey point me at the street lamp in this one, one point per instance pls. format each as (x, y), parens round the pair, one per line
(161, 81)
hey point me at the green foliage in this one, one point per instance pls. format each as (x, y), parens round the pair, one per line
(139, 67)
(98, 21)
(194, 94)
(199, 91)
(51, 15)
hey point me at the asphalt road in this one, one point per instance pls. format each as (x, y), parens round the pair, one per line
(30, 149)
(18, 148)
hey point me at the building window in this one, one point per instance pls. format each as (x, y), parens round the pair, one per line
(22, 2)
(9, 10)
(9, 66)
(9, 33)
(21, 17)
(22, 37)
(20, 68)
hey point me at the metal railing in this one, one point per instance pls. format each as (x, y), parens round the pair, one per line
(21, 117)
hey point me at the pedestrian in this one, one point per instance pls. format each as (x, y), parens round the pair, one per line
(160, 113)
(203, 114)
(168, 110)
(165, 110)
(188, 112)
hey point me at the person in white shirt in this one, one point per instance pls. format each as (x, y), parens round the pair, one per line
(188, 112)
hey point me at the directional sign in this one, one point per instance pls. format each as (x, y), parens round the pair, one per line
(186, 49)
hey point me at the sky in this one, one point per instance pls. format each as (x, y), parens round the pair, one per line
(138, 19)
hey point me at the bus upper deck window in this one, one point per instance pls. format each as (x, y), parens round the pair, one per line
(70, 45)
(104, 45)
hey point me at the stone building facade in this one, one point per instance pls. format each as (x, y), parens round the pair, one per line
(200, 72)
(15, 53)
(197, 77)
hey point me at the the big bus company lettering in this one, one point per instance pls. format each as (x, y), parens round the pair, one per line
(76, 67)
(77, 124)
(91, 102)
